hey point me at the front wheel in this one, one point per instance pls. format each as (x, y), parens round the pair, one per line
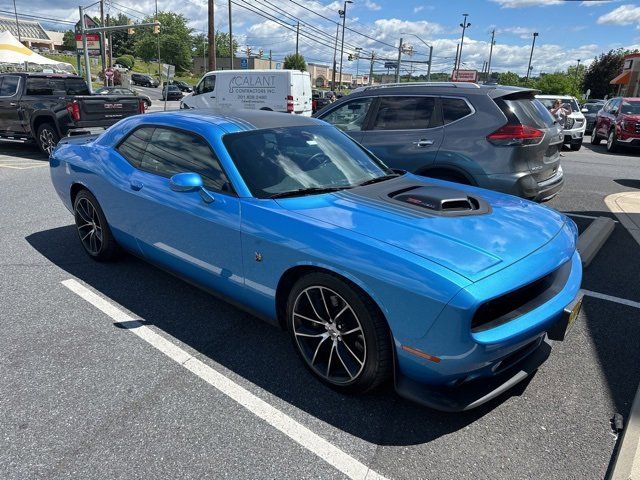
(339, 333)
(47, 138)
(612, 142)
(93, 230)
(595, 139)
(576, 146)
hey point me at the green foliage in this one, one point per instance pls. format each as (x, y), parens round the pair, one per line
(200, 42)
(69, 40)
(126, 61)
(121, 40)
(509, 78)
(601, 71)
(175, 41)
(295, 61)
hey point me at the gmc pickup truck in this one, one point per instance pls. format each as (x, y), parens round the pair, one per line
(45, 107)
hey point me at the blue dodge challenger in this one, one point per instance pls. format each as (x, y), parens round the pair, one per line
(454, 292)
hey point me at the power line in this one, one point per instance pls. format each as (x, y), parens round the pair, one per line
(38, 17)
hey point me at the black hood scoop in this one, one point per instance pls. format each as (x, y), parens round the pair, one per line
(422, 199)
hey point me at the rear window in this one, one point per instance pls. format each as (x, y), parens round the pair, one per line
(454, 109)
(56, 86)
(527, 111)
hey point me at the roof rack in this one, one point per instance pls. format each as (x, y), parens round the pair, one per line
(421, 84)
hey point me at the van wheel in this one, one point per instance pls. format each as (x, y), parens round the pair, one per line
(47, 138)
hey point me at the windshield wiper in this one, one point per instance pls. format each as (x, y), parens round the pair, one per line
(306, 191)
(379, 179)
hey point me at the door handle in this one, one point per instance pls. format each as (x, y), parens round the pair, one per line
(13, 104)
(212, 96)
(136, 185)
(423, 142)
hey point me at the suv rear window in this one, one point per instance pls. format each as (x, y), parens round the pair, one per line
(527, 111)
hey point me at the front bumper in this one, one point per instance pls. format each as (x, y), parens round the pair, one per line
(474, 368)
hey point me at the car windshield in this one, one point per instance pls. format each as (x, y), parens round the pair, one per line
(569, 103)
(279, 161)
(593, 107)
(630, 108)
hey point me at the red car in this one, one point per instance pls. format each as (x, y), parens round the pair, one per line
(619, 123)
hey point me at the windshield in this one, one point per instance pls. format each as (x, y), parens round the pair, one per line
(593, 107)
(569, 103)
(630, 108)
(274, 161)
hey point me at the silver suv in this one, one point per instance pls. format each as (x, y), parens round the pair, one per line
(492, 136)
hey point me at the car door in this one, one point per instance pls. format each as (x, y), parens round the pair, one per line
(609, 116)
(197, 233)
(350, 116)
(205, 93)
(9, 105)
(405, 132)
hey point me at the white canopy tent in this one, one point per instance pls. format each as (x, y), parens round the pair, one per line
(12, 52)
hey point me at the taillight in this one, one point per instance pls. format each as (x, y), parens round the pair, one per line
(74, 110)
(289, 103)
(141, 106)
(509, 135)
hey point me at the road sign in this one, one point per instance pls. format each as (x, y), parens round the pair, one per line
(464, 76)
(278, 66)
(108, 72)
(93, 42)
(390, 64)
(244, 63)
(168, 70)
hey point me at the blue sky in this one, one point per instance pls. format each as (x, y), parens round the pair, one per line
(569, 30)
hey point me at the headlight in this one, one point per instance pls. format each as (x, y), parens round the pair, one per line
(569, 123)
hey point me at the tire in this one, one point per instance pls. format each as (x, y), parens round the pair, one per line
(147, 104)
(576, 146)
(92, 227)
(339, 333)
(612, 143)
(595, 139)
(47, 138)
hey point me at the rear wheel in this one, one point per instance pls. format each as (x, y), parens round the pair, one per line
(339, 333)
(612, 141)
(93, 230)
(47, 138)
(595, 139)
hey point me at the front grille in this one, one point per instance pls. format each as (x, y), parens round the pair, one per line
(579, 122)
(505, 308)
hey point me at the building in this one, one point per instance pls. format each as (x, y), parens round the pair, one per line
(32, 35)
(628, 81)
(322, 76)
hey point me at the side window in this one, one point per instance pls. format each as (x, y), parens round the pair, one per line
(134, 146)
(9, 85)
(350, 116)
(615, 106)
(171, 151)
(454, 109)
(404, 113)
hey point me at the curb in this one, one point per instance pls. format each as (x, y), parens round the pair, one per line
(626, 207)
(592, 239)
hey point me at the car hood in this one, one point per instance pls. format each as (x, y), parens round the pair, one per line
(472, 245)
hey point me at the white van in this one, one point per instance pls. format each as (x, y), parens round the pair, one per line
(277, 90)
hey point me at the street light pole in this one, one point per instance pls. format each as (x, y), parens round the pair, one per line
(335, 52)
(577, 70)
(464, 26)
(343, 14)
(230, 38)
(493, 42)
(357, 63)
(533, 44)
(15, 10)
(399, 60)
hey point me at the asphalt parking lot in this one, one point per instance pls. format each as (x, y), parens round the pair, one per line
(152, 378)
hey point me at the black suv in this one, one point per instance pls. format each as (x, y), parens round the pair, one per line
(144, 80)
(492, 136)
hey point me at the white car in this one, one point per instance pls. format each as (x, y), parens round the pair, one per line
(575, 123)
(276, 90)
(120, 68)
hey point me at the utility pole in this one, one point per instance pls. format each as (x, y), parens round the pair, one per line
(297, 36)
(87, 67)
(576, 76)
(399, 60)
(103, 55)
(455, 62)
(158, 44)
(270, 60)
(430, 60)
(357, 63)
(493, 42)
(335, 51)
(15, 10)
(212, 37)
(343, 13)
(373, 55)
(110, 56)
(533, 44)
(464, 26)
(230, 37)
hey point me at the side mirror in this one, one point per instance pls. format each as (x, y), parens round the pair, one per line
(584, 110)
(186, 182)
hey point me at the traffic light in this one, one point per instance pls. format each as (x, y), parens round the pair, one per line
(156, 28)
(260, 53)
(350, 57)
(131, 30)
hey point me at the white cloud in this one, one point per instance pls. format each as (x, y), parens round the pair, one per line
(526, 3)
(418, 9)
(522, 32)
(623, 15)
(596, 3)
(372, 5)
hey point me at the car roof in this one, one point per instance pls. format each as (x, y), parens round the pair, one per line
(439, 88)
(237, 119)
(551, 97)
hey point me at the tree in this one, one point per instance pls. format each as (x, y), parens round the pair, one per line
(295, 61)
(175, 41)
(558, 83)
(200, 42)
(69, 40)
(509, 78)
(602, 70)
(122, 42)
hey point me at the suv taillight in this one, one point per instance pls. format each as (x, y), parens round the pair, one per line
(519, 135)
(289, 103)
(141, 106)
(74, 110)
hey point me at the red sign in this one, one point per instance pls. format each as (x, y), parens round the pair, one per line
(93, 41)
(464, 76)
(108, 72)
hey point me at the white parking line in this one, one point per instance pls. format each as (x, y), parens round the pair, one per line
(579, 215)
(611, 298)
(276, 418)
